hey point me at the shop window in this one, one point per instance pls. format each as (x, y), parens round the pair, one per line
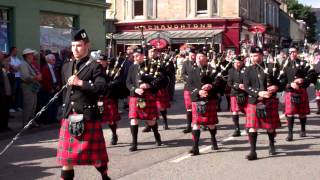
(202, 7)
(56, 31)
(4, 30)
(138, 7)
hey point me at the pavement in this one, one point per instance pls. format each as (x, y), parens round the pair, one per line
(33, 155)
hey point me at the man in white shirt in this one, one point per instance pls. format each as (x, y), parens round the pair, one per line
(15, 64)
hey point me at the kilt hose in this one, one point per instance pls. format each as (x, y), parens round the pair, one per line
(210, 117)
(163, 99)
(292, 108)
(150, 112)
(271, 122)
(110, 113)
(235, 107)
(187, 99)
(88, 149)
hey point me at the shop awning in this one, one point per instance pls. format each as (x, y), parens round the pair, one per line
(181, 36)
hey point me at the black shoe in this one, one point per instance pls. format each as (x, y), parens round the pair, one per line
(133, 148)
(106, 177)
(318, 112)
(303, 134)
(158, 140)
(236, 133)
(252, 156)
(166, 127)
(194, 151)
(289, 137)
(214, 146)
(187, 130)
(146, 129)
(272, 151)
(114, 140)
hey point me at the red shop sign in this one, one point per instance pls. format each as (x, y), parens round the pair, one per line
(158, 43)
(258, 28)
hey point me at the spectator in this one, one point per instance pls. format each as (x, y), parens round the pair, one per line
(5, 92)
(15, 63)
(30, 85)
(50, 84)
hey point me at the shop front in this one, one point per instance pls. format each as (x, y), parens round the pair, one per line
(219, 34)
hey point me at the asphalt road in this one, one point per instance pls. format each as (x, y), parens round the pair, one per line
(33, 156)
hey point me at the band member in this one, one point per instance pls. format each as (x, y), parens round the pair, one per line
(204, 101)
(238, 97)
(142, 101)
(165, 68)
(262, 107)
(296, 78)
(81, 140)
(110, 113)
(316, 63)
(186, 68)
(159, 69)
(222, 68)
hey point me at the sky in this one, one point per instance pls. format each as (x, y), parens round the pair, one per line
(313, 3)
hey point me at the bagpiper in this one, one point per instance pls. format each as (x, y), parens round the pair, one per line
(238, 98)
(316, 64)
(296, 76)
(262, 107)
(204, 101)
(142, 100)
(160, 68)
(109, 99)
(186, 68)
(81, 140)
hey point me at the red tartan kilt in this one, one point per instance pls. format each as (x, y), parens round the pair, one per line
(163, 99)
(317, 93)
(302, 108)
(234, 107)
(110, 113)
(210, 117)
(88, 149)
(187, 99)
(271, 122)
(150, 112)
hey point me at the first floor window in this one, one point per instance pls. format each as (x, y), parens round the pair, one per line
(138, 7)
(202, 7)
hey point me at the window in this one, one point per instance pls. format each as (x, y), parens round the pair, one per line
(202, 7)
(215, 6)
(56, 31)
(150, 8)
(138, 7)
(126, 9)
(4, 30)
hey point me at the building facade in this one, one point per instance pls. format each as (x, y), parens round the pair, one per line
(223, 23)
(48, 24)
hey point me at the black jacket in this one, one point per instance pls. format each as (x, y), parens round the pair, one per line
(196, 80)
(297, 69)
(235, 78)
(255, 80)
(187, 66)
(83, 100)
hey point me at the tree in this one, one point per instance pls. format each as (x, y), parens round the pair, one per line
(304, 13)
